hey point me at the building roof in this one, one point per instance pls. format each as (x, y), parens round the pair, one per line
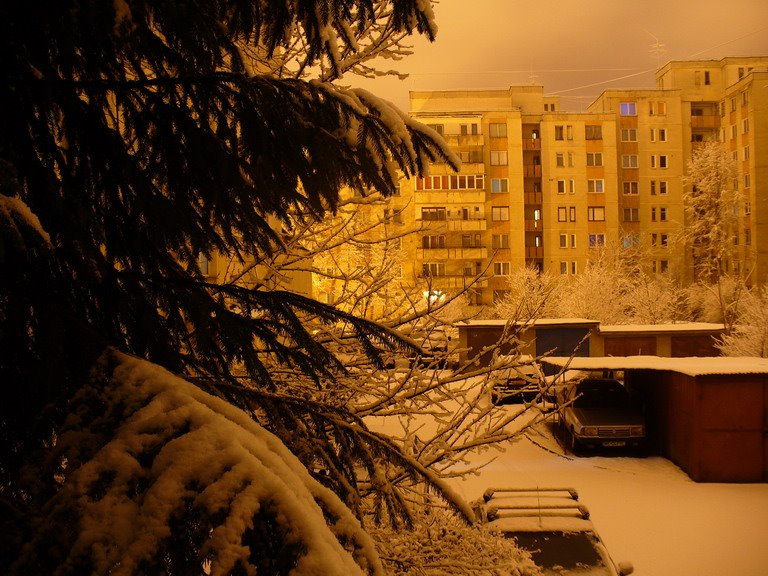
(692, 366)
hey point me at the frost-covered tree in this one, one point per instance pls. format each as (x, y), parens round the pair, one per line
(749, 336)
(711, 204)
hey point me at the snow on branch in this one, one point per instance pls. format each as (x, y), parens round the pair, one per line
(156, 464)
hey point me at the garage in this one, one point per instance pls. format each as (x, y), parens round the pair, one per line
(707, 415)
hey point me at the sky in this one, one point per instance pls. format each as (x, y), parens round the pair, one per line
(574, 48)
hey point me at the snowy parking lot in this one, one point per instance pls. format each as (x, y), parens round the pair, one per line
(646, 510)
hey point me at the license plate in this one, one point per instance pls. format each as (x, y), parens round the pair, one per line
(616, 443)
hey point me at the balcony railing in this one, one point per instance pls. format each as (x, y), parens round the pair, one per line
(533, 197)
(534, 225)
(708, 121)
(531, 144)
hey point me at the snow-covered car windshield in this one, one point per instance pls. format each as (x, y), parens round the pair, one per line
(563, 553)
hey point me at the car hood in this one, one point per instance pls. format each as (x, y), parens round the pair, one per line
(608, 417)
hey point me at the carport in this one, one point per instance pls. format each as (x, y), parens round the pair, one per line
(707, 415)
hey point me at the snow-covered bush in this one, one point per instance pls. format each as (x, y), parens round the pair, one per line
(159, 477)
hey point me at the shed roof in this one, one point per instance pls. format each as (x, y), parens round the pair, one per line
(683, 327)
(536, 322)
(692, 366)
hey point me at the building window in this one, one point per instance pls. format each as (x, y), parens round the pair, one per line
(746, 153)
(570, 159)
(467, 129)
(593, 132)
(657, 108)
(630, 240)
(563, 267)
(594, 159)
(573, 268)
(500, 213)
(559, 159)
(629, 135)
(628, 109)
(596, 240)
(433, 214)
(561, 186)
(559, 133)
(501, 268)
(630, 188)
(747, 208)
(745, 126)
(497, 130)
(572, 186)
(629, 161)
(747, 236)
(662, 214)
(436, 241)
(744, 98)
(569, 132)
(573, 240)
(396, 215)
(572, 213)
(664, 240)
(439, 128)
(500, 241)
(562, 214)
(433, 269)
(663, 266)
(707, 79)
(498, 157)
(659, 161)
(595, 186)
(563, 240)
(734, 132)
(631, 215)
(453, 182)
(596, 213)
(662, 134)
(747, 181)
(653, 214)
(499, 185)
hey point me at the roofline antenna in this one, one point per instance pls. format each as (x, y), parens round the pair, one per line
(657, 49)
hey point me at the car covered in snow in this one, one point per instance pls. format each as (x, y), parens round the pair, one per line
(599, 412)
(553, 526)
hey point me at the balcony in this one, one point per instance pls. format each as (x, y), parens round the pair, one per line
(534, 252)
(467, 225)
(454, 282)
(532, 171)
(534, 225)
(531, 144)
(705, 122)
(450, 196)
(533, 198)
(464, 139)
(460, 253)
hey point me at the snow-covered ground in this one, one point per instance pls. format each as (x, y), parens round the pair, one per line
(646, 510)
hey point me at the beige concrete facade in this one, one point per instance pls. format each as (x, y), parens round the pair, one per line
(543, 187)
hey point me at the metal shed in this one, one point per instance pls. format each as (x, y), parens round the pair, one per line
(708, 415)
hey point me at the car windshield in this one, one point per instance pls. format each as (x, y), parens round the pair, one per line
(592, 397)
(563, 553)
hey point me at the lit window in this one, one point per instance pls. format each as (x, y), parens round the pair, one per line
(595, 186)
(628, 109)
(562, 214)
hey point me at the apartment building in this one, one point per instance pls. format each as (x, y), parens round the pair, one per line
(545, 188)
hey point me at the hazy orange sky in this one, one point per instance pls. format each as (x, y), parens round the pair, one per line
(566, 45)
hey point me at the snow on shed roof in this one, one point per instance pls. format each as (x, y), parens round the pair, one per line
(692, 366)
(536, 322)
(660, 328)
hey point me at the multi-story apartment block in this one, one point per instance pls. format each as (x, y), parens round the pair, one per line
(544, 188)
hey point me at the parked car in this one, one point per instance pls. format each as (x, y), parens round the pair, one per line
(599, 412)
(521, 383)
(553, 526)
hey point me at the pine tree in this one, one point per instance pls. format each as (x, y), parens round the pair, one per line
(137, 136)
